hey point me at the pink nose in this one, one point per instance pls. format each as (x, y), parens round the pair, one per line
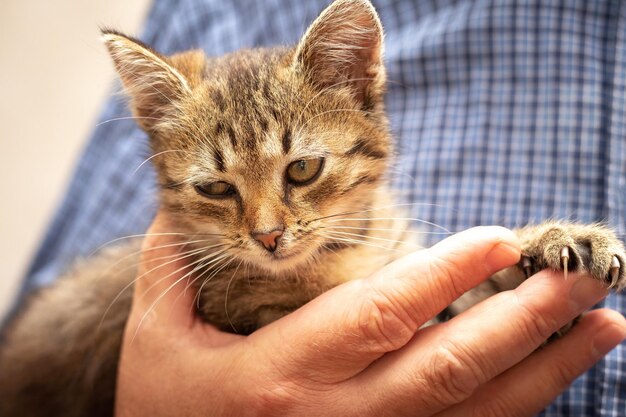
(268, 240)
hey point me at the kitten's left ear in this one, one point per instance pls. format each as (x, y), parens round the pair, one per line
(152, 81)
(344, 47)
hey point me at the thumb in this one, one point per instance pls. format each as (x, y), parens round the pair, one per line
(344, 330)
(163, 290)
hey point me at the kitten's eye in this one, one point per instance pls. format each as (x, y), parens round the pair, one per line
(219, 189)
(304, 171)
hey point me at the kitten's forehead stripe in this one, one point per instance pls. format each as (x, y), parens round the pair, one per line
(275, 114)
(363, 147)
(286, 141)
(219, 128)
(264, 124)
(218, 157)
(251, 136)
(232, 137)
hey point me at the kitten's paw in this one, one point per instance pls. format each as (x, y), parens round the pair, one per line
(594, 249)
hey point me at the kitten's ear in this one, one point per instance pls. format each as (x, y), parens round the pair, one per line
(152, 82)
(343, 47)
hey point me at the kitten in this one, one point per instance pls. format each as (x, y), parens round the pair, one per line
(272, 165)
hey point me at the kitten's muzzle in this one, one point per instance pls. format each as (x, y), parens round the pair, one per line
(268, 240)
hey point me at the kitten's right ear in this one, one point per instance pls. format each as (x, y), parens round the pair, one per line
(152, 82)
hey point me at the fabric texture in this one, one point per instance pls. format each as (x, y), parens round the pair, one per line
(504, 112)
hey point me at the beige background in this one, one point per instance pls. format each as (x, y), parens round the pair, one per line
(54, 78)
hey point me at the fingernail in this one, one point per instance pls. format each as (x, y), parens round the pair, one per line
(586, 292)
(606, 339)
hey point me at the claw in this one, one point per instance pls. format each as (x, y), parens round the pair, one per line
(565, 260)
(614, 271)
(527, 264)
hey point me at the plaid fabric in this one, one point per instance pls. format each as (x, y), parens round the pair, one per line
(505, 112)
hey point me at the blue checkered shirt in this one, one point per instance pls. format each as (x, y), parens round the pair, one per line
(505, 112)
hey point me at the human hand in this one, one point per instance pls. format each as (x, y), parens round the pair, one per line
(356, 350)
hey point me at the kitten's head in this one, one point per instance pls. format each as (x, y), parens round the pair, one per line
(258, 145)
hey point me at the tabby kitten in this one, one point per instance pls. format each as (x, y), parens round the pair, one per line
(272, 165)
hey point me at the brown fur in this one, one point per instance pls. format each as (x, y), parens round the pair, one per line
(64, 362)
(242, 119)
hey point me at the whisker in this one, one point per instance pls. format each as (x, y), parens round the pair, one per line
(328, 248)
(359, 242)
(115, 119)
(160, 297)
(218, 268)
(137, 252)
(382, 239)
(232, 325)
(203, 264)
(373, 209)
(206, 262)
(153, 305)
(133, 254)
(198, 251)
(184, 255)
(110, 242)
(382, 229)
(154, 156)
(130, 284)
(394, 218)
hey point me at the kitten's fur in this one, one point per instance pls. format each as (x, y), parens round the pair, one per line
(242, 119)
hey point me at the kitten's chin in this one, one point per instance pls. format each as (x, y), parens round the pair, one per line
(282, 262)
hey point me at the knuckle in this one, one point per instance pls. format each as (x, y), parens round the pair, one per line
(453, 375)
(386, 321)
(536, 326)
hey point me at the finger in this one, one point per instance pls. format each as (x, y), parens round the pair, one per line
(163, 319)
(162, 291)
(529, 387)
(459, 356)
(341, 332)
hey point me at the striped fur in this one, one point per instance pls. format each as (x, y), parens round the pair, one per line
(243, 119)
